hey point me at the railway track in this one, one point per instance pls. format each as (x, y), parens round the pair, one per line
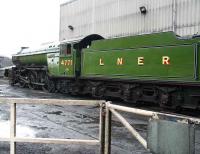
(6, 90)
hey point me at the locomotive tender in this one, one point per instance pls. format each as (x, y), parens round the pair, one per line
(158, 68)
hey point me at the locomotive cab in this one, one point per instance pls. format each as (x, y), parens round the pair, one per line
(66, 60)
(61, 64)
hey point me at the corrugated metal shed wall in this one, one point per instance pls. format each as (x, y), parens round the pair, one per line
(187, 18)
(115, 18)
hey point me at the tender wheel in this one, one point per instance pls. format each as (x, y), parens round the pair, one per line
(100, 93)
(164, 100)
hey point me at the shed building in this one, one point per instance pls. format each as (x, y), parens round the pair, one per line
(118, 18)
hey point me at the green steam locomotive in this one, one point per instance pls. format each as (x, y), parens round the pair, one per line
(158, 68)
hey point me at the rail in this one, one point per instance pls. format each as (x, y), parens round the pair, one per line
(13, 139)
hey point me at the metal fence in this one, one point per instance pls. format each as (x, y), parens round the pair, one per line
(107, 109)
(13, 139)
(185, 147)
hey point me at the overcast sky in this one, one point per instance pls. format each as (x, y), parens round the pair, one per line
(28, 23)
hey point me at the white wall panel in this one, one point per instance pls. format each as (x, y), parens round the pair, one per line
(116, 18)
(187, 17)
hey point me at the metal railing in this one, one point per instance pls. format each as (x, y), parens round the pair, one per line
(13, 139)
(111, 109)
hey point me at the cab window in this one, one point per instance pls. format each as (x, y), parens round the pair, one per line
(66, 49)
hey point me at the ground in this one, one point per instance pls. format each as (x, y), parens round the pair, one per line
(73, 122)
(60, 121)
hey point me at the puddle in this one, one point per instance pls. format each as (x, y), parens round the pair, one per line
(22, 131)
(55, 112)
(39, 128)
(5, 95)
(59, 106)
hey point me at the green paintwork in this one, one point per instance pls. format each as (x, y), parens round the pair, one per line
(66, 69)
(51, 58)
(53, 63)
(37, 59)
(77, 60)
(34, 58)
(140, 41)
(60, 66)
(152, 47)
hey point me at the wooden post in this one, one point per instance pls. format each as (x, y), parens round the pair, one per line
(12, 128)
(102, 128)
(108, 127)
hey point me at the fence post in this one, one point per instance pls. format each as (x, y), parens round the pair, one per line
(12, 128)
(108, 126)
(102, 128)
